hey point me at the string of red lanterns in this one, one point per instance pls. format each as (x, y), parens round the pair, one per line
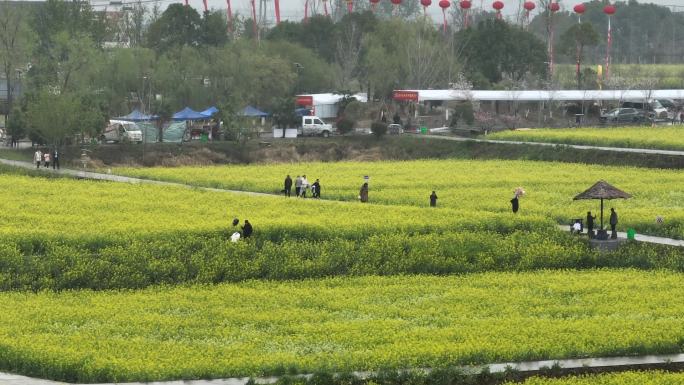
(498, 6)
(444, 4)
(465, 6)
(610, 11)
(529, 7)
(425, 4)
(553, 8)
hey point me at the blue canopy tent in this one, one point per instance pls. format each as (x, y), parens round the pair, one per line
(188, 113)
(302, 111)
(209, 112)
(253, 112)
(137, 116)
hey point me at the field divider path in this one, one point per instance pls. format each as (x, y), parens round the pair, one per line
(523, 366)
(126, 179)
(548, 144)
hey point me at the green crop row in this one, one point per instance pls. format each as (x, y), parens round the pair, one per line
(56, 265)
(339, 324)
(469, 188)
(661, 137)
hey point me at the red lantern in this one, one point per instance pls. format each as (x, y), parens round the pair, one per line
(554, 7)
(498, 5)
(444, 4)
(396, 2)
(609, 10)
(465, 4)
(580, 8)
(425, 3)
(529, 6)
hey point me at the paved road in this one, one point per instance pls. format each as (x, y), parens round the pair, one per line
(126, 179)
(524, 366)
(641, 238)
(577, 146)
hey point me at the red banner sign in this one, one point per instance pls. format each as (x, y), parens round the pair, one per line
(405, 96)
(304, 100)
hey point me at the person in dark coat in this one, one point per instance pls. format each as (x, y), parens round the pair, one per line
(316, 189)
(288, 186)
(613, 223)
(515, 204)
(433, 199)
(590, 224)
(363, 193)
(55, 159)
(247, 229)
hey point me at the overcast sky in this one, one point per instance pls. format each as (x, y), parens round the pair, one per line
(294, 9)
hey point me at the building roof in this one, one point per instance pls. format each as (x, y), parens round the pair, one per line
(544, 95)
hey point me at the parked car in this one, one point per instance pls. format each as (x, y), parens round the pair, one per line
(395, 129)
(623, 115)
(653, 107)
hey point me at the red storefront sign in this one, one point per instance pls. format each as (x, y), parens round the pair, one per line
(305, 100)
(402, 96)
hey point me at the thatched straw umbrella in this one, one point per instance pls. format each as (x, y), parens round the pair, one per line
(602, 190)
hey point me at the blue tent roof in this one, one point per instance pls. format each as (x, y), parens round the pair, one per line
(188, 113)
(137, 116)
(210, 111)
(253, 112)
(302, 111)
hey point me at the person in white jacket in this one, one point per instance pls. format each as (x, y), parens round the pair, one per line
(38, 157)
(305, 186)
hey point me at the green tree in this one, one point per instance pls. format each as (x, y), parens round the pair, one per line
(178, 26)
(213, 29)
(494, 48)
(56, 118)
(574, 40)
(16, 126)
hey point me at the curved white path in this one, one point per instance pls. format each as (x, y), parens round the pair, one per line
(524, 366)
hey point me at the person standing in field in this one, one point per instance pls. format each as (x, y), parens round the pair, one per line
(288, 186)
(46, 156)
(363, 193)
(247, 229)
(613, 223)
(433, 199)
(305, 186)
(316, 189)
(298, 185)
(38, 157)
(590, 224)
(55, 159)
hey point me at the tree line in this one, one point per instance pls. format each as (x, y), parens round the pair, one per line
(77, 67)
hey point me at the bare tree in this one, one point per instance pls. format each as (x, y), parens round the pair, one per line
(348, 52)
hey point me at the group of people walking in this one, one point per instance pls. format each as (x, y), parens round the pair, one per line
(47, 157)
(302, 186)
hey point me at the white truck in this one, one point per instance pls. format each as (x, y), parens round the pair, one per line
(122, 131)
(313, 125)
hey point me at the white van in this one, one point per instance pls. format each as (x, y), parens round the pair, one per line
(313, 125)
(122, 131)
